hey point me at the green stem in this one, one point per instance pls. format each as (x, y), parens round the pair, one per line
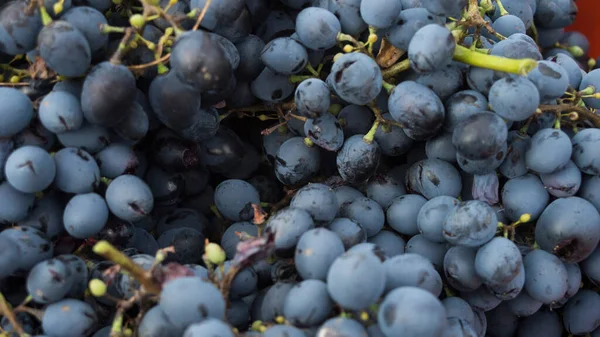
(388, 86)
(106, 29)
(312, 70)
(299, 78)
(498, 63)
(396, 69)
(117, 325)
(46, 18)
(10, 315)
(368, 138)
(501, 7)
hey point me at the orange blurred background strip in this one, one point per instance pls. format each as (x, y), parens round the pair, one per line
(588, 24)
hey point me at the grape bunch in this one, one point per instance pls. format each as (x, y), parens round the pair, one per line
(298, 168)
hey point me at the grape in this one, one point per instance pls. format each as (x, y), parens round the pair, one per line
(312, 98)
(79, 274)
(441, 147)
(482, 166)
(283, 331)
(403, 212)
(389, 242)
(155, 323)
(365, 212)
(418, 108)
(431, 48)
(274, 299)
(514, 164)
(392, 139)
(498, 262)
(356, 78)
(471, 223)
(188, 300)
(461, 105)
(380, 14)
(582, 314)
(211, 326)
(307, 303)
(524, 195)
(434, 177)
(355, 120)
(250, 65)
(412, 270)
(481, 299)
(555, 14)
(409, 21)
(546, 277)
(16, 111)
(431, 216)
(358, 160)
(384, 189)
(288, 225)
(325, 131)
(585, 151)
(341, 326)
(284, 56)
(317, 28)
(30, 169)
(346, 194)
(568, 227)
(222, 152)
(553, 140)
(33, 244)
(89, 137)
(524, 305)
(517, 46)
(480, 136)
(315, 252)
(350, 232)
(508, 24)
(115, 160)
(64, 49)
(433, 251)
(17, 204)
(9, 253)
(458, 308)
(271, 87)
(49, 281)
(551, 79)
(543, 323)
(317, 199)
(187, 242)
(571, 67)
(515, 99)
(60, 111)
(425, 316)
(87, 20)
(502, 321)
(129, 198)
(85, 215)
(356, 280)
(234, 199)
(19, 28)
(563, 183)
(230, 239)
(7, 145)
(82, 316)
(101, 104)
(135, 125)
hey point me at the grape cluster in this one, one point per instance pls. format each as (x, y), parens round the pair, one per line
(298, 168)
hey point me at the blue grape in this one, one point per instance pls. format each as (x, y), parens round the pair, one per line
(358, 160)
(244, 283)
(17, 204)
(590, 266)
(223, 152)
(271, 87)
(365, 212)
(461, 105)
(481, 299)
(444, 81)
(507, 25)
(312, 98)
(129, 198)
(49, 281)
(79, 274)
(571, 66)
(458, 327)
(250, 65)
(230, 239)
(431, 216)
(9, 253)
(546, 278)
(284, 56)
(502, 321)
(33, 244)
(441, 147)
(87, 20)
(418, 108)
(30, 169)
(432, 251)
(345, 194)
(188, 300)
(424, 316)
(89, 137)
(317, 28)
(403, 212)
(546, 141)
(7, 145)
(498, 262)
(551, 80)
(220, 13)
(101, 104)
(589, 186)
(524, 195)
(544, 323)
(431, 48)
(234, 199)
(187, 242)
(517, 46)
(482, 166)
(471, 223)
(82, 316)
(325, 131)
(85, 215)
(569, 228)
(392, 139)
(288, 225)
(563, 183)
(155, 323)
(16, 111)
(409, 21)
(555, 14)
(64, 49)
(274, 299)
(514, 164)
(515, 99)
(585, 151)
(238, 314)
(355, 120)
(384, 189)
(116, 160)
(524, 305)
(356, 78)
(458, 308)
(380, 14)
(317, 199)
(307, 303)
(211, 326)
(60, 112)
(341, 326)
(19, 28)
(412, 270)
(356, 280)
(350, 232)
(389, 242)
(135, 125)
(480, 136)
(315, 252)
(434, 177)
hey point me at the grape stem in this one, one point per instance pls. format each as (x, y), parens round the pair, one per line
(498, 63)
(396, 69)
(10, 315)
(202, 14)
(581, 111)
(109, 252)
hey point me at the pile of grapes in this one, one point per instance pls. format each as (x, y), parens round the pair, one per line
(298, 168)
